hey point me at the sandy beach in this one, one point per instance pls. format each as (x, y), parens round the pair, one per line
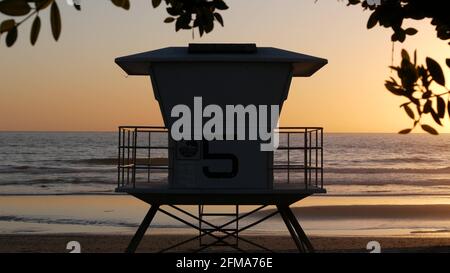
(105, 223)
(154, 243)
(335, 224)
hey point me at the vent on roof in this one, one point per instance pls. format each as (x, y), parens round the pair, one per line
(222, 48)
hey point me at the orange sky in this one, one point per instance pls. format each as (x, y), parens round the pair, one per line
(74, 84)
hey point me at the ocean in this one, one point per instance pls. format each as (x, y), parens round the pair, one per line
(354, 164)
(377, 184)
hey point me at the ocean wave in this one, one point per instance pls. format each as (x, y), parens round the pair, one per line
(71, 221)
(395, 212)
(442, 170)
(27, 169)
(65, 221)
(65, 180)
(435, 183)
(155, 161)
(112, 162)
(434, 231)
(415, 159)
(84, 181)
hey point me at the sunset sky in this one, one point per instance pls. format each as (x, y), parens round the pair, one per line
(74, 84)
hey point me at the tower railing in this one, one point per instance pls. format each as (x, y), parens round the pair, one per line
(143, 157)
(299, 156)
(142, 154)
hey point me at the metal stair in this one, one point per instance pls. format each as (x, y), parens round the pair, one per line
(221, 230)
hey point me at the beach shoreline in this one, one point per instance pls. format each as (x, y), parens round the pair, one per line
(319, 215)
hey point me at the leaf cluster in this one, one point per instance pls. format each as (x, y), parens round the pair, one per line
(416, 84)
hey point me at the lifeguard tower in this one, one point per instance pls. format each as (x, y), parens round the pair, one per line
(162, 171)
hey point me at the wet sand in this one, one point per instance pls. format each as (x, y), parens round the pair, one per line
(117, 243)
(327, 216)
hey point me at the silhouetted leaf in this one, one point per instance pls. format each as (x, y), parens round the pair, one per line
(220, 4)
(14, 7)
(408, 75)
(393, 81)
(448, 108)
(126, 4)
(173, 11)
(396, 68)
(429, 129)
(427, 94)
(406, 103)
(403, 104)
(394, 37)
(409, 112)
(55, 21)
(156, 3)
(218, 18)
(447, 61)
(11, 37)
(169, 20)
(35, 29)
(118, 3)
(373, 20)
(353, 2)
(427, 107)
(42, 4)
(399, 35)
(435, 71)
(405, 131)
(6, 25)
(415, 57)
(413, 100)
(209, 26)
(394, 90)
(405, 55)
(183, 21)
(410, 31)
(435, 117)
(424, 76)
(440, 107)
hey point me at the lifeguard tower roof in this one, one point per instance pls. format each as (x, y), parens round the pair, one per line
(303, 65)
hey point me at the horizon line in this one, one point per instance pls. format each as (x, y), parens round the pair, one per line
(115, 131)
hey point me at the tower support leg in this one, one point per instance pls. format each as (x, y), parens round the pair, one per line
(298, 235)
(142, 229)
(291, 230)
